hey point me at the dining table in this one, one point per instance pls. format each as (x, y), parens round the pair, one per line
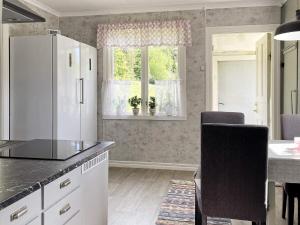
(283, 167)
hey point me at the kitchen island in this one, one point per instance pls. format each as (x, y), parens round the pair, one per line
(73, 192)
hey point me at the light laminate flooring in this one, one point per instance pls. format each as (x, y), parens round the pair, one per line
(135, 195)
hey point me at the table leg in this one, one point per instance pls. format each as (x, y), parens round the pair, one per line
(271, 216)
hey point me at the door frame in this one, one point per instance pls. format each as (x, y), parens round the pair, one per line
(275, 69)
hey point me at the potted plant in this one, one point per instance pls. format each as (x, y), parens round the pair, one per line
(152, 106)
(134, 103)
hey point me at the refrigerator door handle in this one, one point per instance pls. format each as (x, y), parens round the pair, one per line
(81, 91)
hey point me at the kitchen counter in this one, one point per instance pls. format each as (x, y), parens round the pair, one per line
(21, 177)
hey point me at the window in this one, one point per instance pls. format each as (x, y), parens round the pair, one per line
(147, 60)
(154, 71)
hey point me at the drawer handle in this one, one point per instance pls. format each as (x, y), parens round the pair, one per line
(65, 209)
(65, 183)
(19, 213)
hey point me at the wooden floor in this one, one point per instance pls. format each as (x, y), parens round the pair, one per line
(135, 195)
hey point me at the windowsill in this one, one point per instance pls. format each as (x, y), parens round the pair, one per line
(145, 117)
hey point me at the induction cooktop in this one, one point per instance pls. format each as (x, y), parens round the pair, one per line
(44, 149)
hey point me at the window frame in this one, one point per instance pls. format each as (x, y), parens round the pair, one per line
(108, 68)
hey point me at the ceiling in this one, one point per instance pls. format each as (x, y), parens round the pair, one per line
(100, 7)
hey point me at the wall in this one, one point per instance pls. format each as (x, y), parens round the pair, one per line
(165, 141)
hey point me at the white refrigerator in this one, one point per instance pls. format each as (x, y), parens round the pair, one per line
(53, 88)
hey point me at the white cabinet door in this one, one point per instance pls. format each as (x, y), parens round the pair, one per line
(66, 88)
(89, 89)
(94, 191)
(37, 221)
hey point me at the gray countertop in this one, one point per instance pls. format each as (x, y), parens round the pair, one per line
(20, 177)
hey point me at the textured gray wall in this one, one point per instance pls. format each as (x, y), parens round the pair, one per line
(165, 141)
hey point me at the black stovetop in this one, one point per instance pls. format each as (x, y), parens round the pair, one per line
(44, 149)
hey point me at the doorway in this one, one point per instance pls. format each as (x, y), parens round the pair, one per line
(241, 69)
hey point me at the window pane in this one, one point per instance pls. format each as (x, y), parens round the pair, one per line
(127, 78)
(164, 80)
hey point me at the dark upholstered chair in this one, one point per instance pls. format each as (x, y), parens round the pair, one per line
(233, 173)
(221, 117)
(290, 128)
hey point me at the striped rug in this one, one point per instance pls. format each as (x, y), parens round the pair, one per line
(178, 207)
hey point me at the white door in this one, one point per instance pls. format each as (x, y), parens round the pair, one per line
(67, 85)
(236, 87)
(88, 81)
(263, 74)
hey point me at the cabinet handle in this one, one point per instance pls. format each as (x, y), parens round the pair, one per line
(65, 209)
(19, 213)
(65, 183)
(70, 59)
(90, 64)
(81, 91)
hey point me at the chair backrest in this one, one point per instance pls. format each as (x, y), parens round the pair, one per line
(290, 126)
(222, 117)
(234, 171)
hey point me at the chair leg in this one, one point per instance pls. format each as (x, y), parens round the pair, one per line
(284, 197)
(290, 210)
(198, 215)
(204, 220)
(298, 211)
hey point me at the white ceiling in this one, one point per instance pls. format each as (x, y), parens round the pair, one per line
(99, 7)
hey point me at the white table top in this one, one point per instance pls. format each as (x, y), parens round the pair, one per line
(284, 162)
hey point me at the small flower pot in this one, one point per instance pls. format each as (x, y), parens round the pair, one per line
(135, 111)
(152, 111)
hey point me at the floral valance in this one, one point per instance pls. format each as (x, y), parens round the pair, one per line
(140, 34)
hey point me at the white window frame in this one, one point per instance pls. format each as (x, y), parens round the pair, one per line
(108, 69)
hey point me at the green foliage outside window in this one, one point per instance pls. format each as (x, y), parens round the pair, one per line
(162, 62)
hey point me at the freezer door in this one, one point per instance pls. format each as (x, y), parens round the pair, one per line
(66, 87)
(89, 89)
(31, 87)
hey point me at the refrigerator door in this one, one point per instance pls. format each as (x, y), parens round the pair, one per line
(31, 87)
(88, 57)
(66, 88)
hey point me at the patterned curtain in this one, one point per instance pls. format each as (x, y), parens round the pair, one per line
(152, 33)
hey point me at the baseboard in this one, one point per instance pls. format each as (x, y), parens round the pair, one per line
(153, 165)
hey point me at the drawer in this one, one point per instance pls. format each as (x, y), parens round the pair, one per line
(36, 221)
(75, 220)
(23, 211)
(61, 187)
(64, 210)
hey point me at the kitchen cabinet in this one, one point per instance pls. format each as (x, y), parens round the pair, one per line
(94, 189)
(22, 211)
(36, 221)
(61, 187)
(78, 197)
(75, 220)
(53, 88)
